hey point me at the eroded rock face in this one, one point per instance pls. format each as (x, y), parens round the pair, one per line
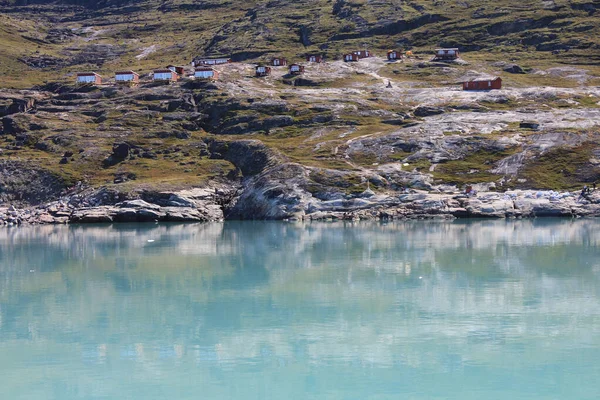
(15, 105)
(274, 194)
(24, 183)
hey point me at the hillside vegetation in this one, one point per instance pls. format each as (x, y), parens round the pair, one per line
(338, 126)
(56, 38)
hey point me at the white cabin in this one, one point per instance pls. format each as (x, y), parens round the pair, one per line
(127, 76)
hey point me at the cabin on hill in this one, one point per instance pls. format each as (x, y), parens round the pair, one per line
(362, 53)
(296, 69)
(393, 55)
(483, 84)
(314, 58)
(210, 61)
(446, 54)
(165, 75)
(204, 73)
(89, 78)
(278, 62)
(127, 77)
(178, 70)
(261, 70)
(350, 57)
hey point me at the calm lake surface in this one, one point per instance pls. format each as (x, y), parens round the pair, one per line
(266, 310)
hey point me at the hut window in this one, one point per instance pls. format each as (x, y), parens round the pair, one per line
(86, 78)
(204, 74)
(124, 77)
(163, 75)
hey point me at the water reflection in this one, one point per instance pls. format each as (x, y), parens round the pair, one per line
(271, 310)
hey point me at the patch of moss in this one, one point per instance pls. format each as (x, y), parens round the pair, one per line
(475, 168)
(564, 168)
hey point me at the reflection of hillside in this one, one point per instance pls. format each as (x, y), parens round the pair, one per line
(404, 296)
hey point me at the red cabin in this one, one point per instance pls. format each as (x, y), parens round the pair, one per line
(89, 78)
(483, 84)
(178, 70)
(393, 55)
(263, 71)
(350, 57)
(362, 53)
(315, 58)
(165, 75)
(206, 73)
(296, 69)
(127, 77)
(278, 62)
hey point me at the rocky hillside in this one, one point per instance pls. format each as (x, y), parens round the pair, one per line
(286, 146)
(51, 39)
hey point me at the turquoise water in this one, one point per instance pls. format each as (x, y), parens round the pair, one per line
(419, 310)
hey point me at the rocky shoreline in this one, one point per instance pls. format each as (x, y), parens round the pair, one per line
(208, 205)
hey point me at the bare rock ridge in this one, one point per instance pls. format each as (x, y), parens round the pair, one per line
(282, 199)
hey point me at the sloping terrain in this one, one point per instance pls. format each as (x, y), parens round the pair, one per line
(54, 38)
(331, 133)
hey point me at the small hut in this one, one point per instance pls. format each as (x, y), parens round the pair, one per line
(278, 62)
(296, 69)
(204, 73)
(178, 70)
(165, 75)
(446, 54)
(261, 70)
(362, 53)
(483, 84)
(89, 78)
(314, 58)
(128, 77)
(210, 61)
(393, 55)
(350, 57)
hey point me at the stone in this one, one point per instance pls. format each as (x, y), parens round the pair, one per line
(120, 151)
(529, 125)
(426, 111)
(138, 204)
(91, 216)
(45, 219)
(513, 69)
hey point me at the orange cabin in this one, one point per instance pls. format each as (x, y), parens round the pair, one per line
(176, 69)
(165, 75)
(127, 77)
(204, 73)
(89, 78)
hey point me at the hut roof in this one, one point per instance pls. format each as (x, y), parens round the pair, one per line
(492, 78)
